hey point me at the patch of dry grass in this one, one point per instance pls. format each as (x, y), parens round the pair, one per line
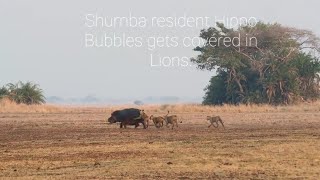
(7, 106)
(198, 108)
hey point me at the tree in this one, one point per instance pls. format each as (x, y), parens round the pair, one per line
(138, 102)
(25, 93)
(3, 92)
(277, 65)
(216, 90)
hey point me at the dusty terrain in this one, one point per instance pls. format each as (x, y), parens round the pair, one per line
(81, 145)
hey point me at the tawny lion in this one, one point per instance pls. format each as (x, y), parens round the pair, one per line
(173, 119)
(157, 120)
(215, 120)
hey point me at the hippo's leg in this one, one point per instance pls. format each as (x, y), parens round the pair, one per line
(121, 125)
(136, 125)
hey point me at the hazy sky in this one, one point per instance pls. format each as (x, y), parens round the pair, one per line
(43, 42)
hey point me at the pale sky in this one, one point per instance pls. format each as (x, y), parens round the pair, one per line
(43, 42)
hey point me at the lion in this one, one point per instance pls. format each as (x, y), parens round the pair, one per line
(145, 117)
(216, 120)
(157, 120)
(173, 119)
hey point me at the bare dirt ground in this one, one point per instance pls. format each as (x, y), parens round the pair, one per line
(81, 145)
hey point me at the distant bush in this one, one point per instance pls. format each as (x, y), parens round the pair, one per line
(137, 102)
(23, 93)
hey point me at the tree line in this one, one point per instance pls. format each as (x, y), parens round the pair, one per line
(281, 68)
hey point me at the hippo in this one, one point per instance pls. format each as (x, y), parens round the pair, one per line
(130, 116)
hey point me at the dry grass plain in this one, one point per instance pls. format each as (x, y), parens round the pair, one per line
(259, 142)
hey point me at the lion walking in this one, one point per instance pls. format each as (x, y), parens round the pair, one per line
(214, 121)
(157, 121)
(173, 120)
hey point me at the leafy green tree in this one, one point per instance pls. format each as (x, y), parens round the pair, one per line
(25, 93)
(275, 66)
(3, 92)
(216, 90)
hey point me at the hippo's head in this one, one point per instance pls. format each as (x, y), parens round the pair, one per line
(112, 119)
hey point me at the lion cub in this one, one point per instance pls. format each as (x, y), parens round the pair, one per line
(158, 121)
(215, 120)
